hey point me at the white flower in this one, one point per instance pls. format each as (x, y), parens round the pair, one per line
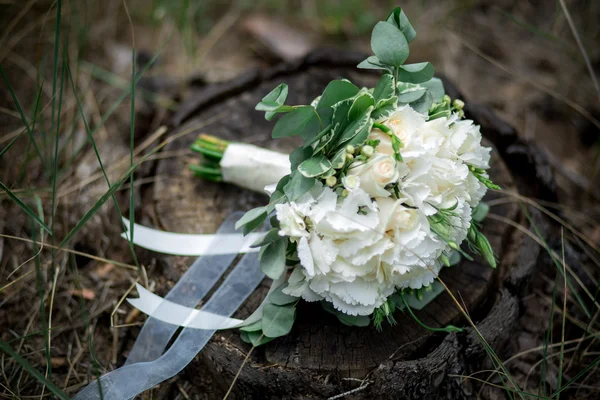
(350, 182)
(375, 174)
(290, 221)
(357, 250)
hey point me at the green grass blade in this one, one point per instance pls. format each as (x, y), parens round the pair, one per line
(24, 207)
(117, 103)
(97, 153)
(21, 113)
(5, 347)
(55, 63)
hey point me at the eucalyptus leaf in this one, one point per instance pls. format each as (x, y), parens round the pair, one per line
(277, 197)
(480, 212)
(279, 298)
(400, 20)
(436, 88)
(335, 92)
(274, 99)
(271, 236)
(412, 95)
(427, 296)
(372, 62)
(299, 155)
(349, 320)
(385, 88)
(255, 338)
(423, 104)
(272, 262)
(253, 327)
(389, 44)
(256, 214)
(278, 320)
(297, 186)
(455, 258)
(415, 73)
(303, 121)
(315, 166)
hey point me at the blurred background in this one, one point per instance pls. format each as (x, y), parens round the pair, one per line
(532, 61)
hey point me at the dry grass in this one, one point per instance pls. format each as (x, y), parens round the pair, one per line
(56, 304)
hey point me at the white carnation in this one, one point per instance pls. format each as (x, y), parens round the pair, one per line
(356, 250)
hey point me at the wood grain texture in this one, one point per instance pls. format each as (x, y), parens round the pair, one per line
(321, 357)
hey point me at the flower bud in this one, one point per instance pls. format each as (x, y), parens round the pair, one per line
(350, 149)
(331, 181)
(367, 151)
(446, 99)
(444, 260)
(461, 113)
(458, 104)
(349, 157)
(453, 245)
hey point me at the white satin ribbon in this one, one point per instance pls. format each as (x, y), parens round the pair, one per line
(176, 314)
(184, 244)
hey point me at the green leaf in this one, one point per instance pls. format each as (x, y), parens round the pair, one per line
(360, 104)
(411, 95)
(256, 338)
(455, 258)
(423, 104)
(348, 320)
(400, 21)
(354, 128)
(297, 186)
(302, 121)
(277, 197)
(274, 99)
(269, 115)
(339, 159)
(415, 73)
(270, 237)
(436, 88)
(427, 296)
(272, 262)
(362, 135)
(385, 88)
(480, 212)
(315, 166)
(278, 320)
(298, 155)
(373, 62)
(335, 92)
(279, 298)
(255, 217)
(384, 108)
(389, 44)
(485, 247)
(253, 327)
(340, 115)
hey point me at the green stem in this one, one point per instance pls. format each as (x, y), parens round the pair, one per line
(447, 329)
(383, 128)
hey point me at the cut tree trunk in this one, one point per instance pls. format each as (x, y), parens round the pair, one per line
(322, 358)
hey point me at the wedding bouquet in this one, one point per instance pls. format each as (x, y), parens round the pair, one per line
(380, 197)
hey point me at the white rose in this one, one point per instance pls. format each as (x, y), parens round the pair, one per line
(378, 172)
(290, 221)
(385, 142)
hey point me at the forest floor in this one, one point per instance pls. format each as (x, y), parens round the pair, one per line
(60, 309)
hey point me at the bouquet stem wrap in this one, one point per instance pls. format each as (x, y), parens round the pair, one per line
(252, 167)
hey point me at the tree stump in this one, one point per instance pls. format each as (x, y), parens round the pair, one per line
(322, 358)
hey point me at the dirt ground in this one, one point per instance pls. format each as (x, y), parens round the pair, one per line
(519, 57)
